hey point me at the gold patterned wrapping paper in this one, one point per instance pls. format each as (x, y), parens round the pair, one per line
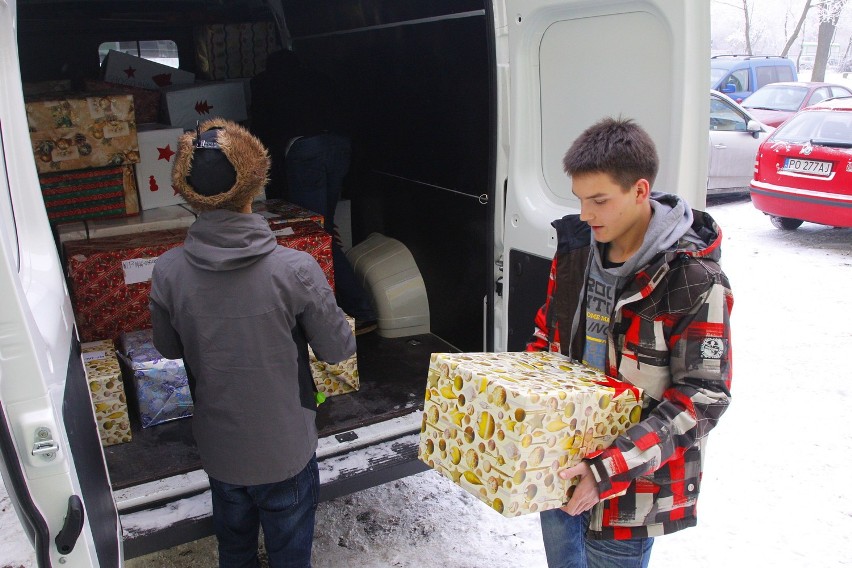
(78, 132)
(501, 425)
(107, 391)
(333, 379)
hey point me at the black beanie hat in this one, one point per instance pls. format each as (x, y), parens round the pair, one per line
(211, 173)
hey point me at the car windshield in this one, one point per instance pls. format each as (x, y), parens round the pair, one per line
(777, 97)
(823, 128)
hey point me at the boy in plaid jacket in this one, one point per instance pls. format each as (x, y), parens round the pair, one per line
(636, 291)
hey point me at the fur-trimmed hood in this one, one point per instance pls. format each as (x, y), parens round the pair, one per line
(246, 153)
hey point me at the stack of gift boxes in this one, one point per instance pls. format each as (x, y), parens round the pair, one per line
(104, 158)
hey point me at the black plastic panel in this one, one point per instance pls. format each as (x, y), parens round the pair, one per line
(529, 275)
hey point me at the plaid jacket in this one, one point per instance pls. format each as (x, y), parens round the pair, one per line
(670, 335)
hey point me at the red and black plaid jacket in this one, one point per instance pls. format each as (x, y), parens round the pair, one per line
(669, 334)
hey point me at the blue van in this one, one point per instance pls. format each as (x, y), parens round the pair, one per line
(738, 76)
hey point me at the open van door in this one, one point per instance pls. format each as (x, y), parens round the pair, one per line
(564, 65)
(52, 462)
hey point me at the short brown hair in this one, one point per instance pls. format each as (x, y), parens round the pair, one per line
(615, 146)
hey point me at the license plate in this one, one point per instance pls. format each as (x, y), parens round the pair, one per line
(812, 167)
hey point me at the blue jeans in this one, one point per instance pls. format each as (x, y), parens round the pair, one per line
(286, 510)
(316, 166)
(566, 545)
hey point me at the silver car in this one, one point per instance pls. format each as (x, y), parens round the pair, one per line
(735, 136)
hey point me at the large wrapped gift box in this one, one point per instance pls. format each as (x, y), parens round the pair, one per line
(160, 385)
(95, 193)
(157, 147)
(110, 279)
(228, 51)
(146, 102)
(281, 213)
(184, 106)
(77, 132)
(309, 237)
(126, 69)
(501, 425)
(106, 388)
(336, 378)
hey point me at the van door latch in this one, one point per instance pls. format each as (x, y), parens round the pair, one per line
(44, 446)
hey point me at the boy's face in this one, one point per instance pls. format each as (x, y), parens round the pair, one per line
(614, 215)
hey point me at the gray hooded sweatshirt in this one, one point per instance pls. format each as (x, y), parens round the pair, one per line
(241, 310)
(671, 220)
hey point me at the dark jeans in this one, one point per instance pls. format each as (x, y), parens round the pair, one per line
(286, 511)
(566, 545)
(316, 166)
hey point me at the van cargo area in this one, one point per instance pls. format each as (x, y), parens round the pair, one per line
(417, 80)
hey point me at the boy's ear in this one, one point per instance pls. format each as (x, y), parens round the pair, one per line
(642, 188)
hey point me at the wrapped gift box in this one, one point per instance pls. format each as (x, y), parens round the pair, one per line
(126, 69)
(79, 132)
(171, 217)
(94, 193)
(228, 51)
(110, 279)
(157, 146)
(336, 378)
(501, 425)
(184, 106)
(281, 213)
(146, 102)
(47, 87)
(309, 237)
(107, 391)
(161, 386)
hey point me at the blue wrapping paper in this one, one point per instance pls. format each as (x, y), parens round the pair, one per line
(160, 384)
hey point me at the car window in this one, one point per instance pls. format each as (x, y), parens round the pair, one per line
(777, 97)
(767, 74)
(819, 95)
(840, 92)
(815, 126)
(724, 117)
(739, 79)
(715, 75)
(783, 73)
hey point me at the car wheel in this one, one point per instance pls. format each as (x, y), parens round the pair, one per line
(785, 223)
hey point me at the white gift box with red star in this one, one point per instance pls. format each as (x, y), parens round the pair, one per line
(184, 106)
(157, 147)
(126, 69)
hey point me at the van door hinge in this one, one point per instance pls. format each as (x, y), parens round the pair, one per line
(43, 445)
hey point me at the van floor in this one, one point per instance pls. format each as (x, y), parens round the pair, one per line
(392, 374)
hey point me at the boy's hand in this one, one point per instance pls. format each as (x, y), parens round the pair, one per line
(585, 493)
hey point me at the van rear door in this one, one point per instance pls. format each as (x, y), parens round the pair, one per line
(47, 429)
(563, 65)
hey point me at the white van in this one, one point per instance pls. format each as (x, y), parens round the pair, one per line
(466, 109)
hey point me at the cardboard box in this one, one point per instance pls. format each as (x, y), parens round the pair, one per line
(228, 51)
(184, 106)
(171, 217)
(78, 132)
(106, 388)
(110, 279)
(47, 87)
(157, 148)
(309, 237)
(281, 213)
(500, 425)
(146, 102)
(160, 385)
(94, 193)
(340, 378)
(126, 69)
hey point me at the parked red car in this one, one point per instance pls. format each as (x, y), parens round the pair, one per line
(774, 103)
(803, 171)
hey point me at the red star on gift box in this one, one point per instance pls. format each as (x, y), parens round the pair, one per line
(130, 72)
(165, 153)
(202, 107)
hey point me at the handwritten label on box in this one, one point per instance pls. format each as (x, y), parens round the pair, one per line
(137, 270)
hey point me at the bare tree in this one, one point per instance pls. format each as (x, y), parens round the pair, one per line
(797, 29)
(747, 27)
(829, 13)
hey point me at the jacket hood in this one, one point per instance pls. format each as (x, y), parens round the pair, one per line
(226, 240)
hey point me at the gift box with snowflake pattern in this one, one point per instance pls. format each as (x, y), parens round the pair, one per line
(106, 389)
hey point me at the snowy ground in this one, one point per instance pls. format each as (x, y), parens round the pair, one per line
(774, 492)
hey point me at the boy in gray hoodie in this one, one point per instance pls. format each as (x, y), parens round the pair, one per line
(241, 310)
(635, 291)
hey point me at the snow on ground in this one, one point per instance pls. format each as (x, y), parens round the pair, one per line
(775, 490)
